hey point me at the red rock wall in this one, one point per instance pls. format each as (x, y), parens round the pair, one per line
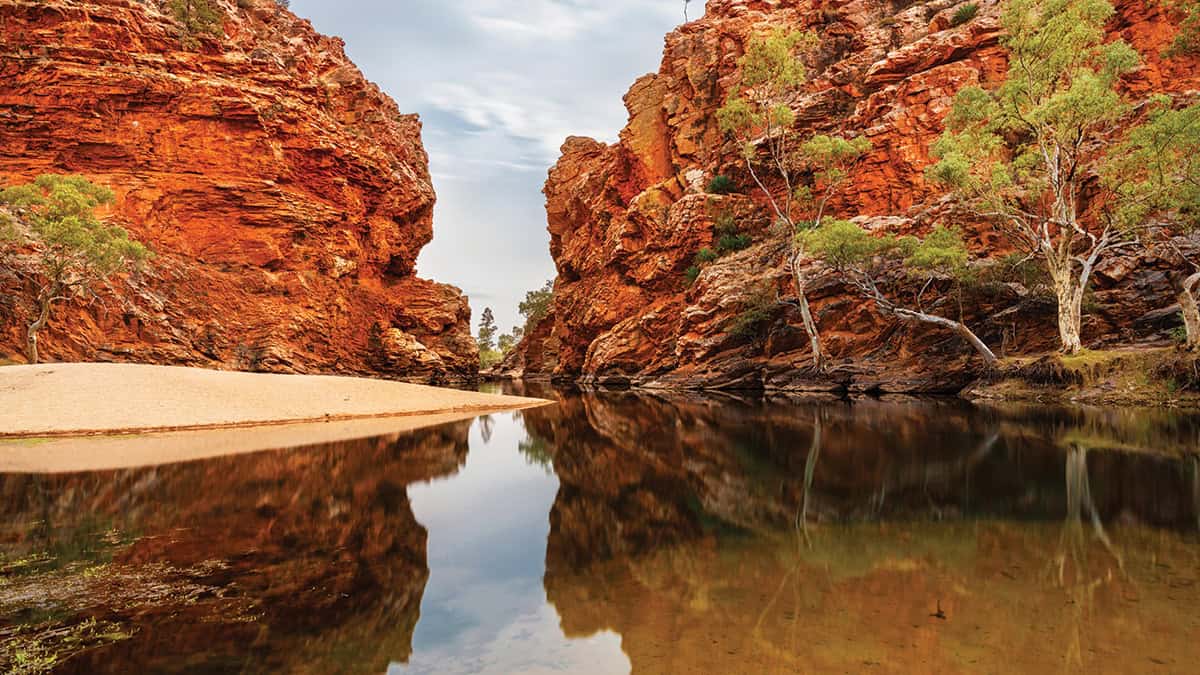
(626, 219)
(286, 197)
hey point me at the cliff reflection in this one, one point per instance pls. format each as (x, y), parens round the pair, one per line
(305, 560)
(775, 536)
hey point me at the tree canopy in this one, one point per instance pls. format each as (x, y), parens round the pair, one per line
(863, 260)
(1021, 153)
(536, 305)
(73, 248)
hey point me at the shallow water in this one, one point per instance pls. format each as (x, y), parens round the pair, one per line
(617, 532)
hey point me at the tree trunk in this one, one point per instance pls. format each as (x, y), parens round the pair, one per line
(1190, 310)
(32, 335)
(1070, 313)
(810, 325)
(958, 327)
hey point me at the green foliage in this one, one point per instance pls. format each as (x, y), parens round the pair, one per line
(942, 251)
(692, 273)
(486, 337)
(758, 311)
(706, 255)
(830, 159)
(830, 156)
(489, 358)
(964, 14)
(1060, 91)
(846, 246)
(1188, 39)
(57, 215)
(729, 237)
(1011, 268)
(536, 305)
(1179, 334)
(8, 229)
(720, 185)
(1156, 171)
(197, 17)
(506, 343)
(728, 243)
(770, 68)
(843, 244)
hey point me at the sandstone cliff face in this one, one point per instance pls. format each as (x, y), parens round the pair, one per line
(286, 197)
(626, 219)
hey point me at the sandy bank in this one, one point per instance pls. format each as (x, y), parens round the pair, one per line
(79, 399)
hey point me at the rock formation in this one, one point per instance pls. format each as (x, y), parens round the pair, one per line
(286, 197)
(626, 219)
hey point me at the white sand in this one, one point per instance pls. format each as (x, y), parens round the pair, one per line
(74, 399)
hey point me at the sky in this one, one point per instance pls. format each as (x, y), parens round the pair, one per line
(499, 85)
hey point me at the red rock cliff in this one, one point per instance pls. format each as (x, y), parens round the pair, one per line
(626, 219)
(286, 197)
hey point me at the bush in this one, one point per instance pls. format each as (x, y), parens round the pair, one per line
(706, 255)
(720, 185)
(964, 14)
(728, 243)
(729, 238)
(692, 273)
(197, 17)
(757, 312)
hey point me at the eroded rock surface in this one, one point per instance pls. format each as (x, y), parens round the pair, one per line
(286, 197)
(627, 219)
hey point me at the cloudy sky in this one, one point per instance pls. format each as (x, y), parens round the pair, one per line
(499, 85)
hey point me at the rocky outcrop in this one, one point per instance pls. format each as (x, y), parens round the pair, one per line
(626, 219)
(286, 197)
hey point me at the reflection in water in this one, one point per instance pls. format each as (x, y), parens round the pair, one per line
(619, 531)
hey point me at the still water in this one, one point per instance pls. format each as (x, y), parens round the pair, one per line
(618, 532)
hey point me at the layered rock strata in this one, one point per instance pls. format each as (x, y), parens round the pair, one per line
(285, 196)
(627, 219)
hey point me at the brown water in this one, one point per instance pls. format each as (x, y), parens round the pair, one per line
(618, 532)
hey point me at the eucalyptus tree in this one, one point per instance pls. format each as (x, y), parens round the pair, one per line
(72, 249)
(1156, 175)
(863, 260)
(1021, 154)
(759, 115)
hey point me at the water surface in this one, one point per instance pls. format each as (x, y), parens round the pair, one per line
(617, 532)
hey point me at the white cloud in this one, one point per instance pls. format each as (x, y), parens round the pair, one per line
(500, 85)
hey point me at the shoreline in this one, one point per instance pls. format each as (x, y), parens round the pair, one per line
(1157, 377)
(102, 399)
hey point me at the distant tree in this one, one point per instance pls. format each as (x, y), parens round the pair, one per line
(506, 343)
(759, 115)
(74, 251)
(1020, 154)
(1155, 174)
(487, 330)
(197, 17)
(861, 259)
(537, 305)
